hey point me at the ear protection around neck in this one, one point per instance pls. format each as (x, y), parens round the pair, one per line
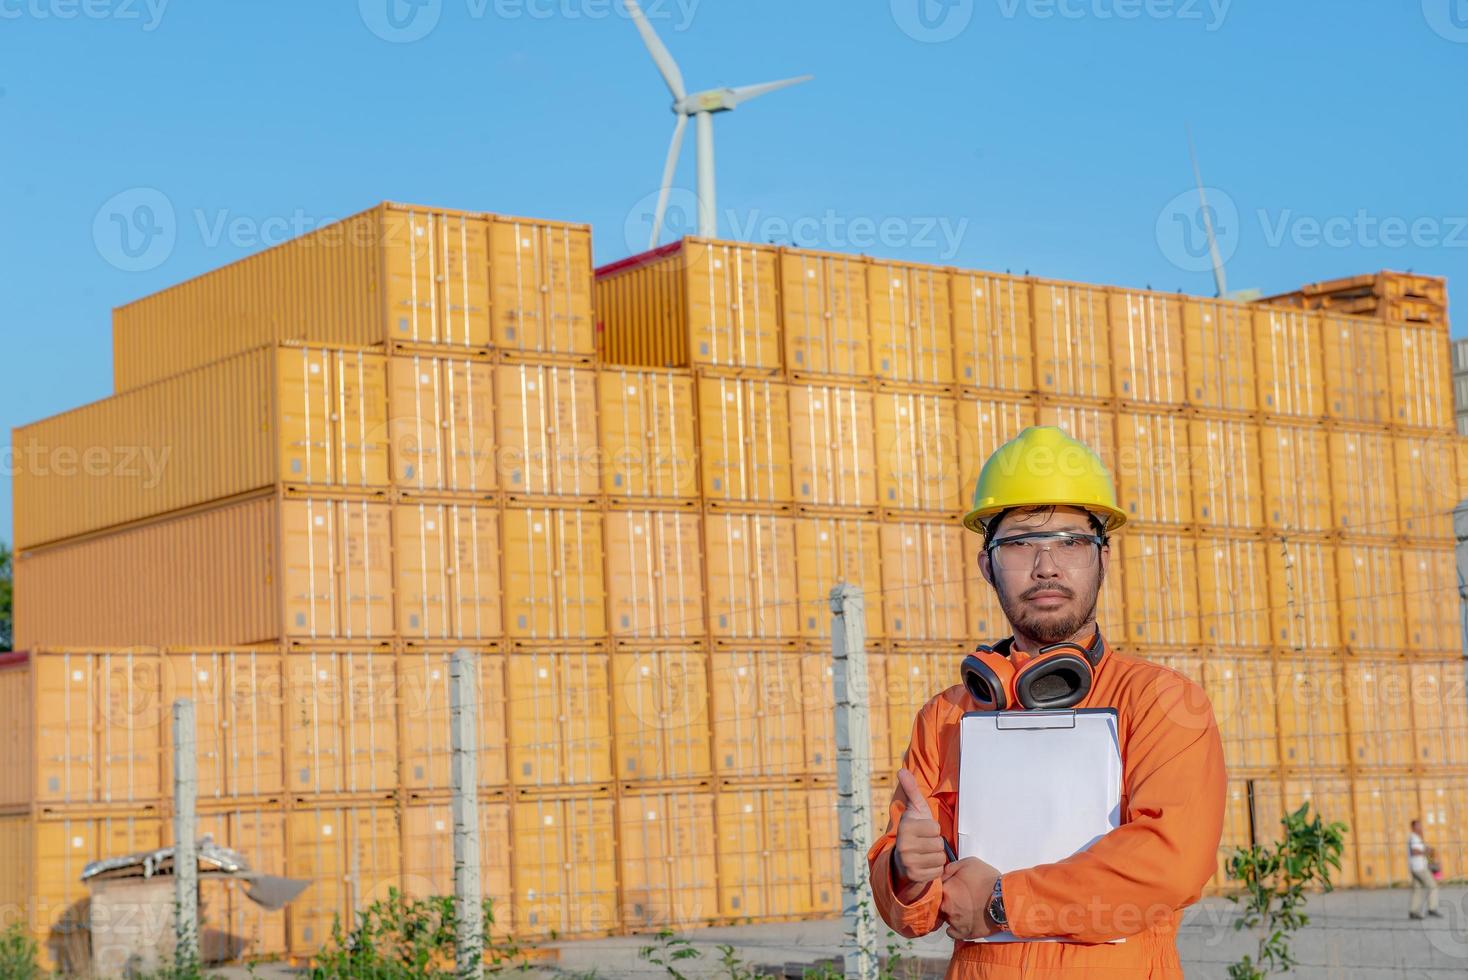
(1059, 676)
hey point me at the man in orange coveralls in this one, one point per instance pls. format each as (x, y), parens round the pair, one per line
(1045, 505)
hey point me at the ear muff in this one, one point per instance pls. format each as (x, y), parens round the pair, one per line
(1053, 680)
(989, 678)
(1060, 676)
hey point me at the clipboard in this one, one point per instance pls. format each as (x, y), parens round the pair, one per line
(1035, 787)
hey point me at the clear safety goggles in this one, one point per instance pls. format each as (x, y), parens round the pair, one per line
(1068, 549)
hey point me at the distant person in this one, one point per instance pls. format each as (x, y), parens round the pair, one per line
(1418, 862)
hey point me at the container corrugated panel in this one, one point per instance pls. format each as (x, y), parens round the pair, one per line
(1369, 583)
(642, 310)
(1093, 424)
(923, 580)
(341, 719)
(912, 323)
(276, 416)
(817, 692)
(1241, 688)
(733, 303)
(823, 304)
(1304, 613)
(1355, 361)
(1379, 711)
(751, 569)
(1386, 805)
(1227, 488)
(448, 570)
(559, 718)
(258, 832)
(985, 424)
(833, 453)
(917, 450)
(1147, 347)
(1312, 711)
(1427, 487)
(1296, 458)
(1419, 368)
(1429, 590)
(1238, 825)
(424, 724)
(428, 854)
(1439, 712)
(993, 338)
(744, 439)
(441, 424)
(540, 287)
(1219, 339)
(763, 851)
(1363, 482)
(237, 697)
(565, 866)
(1233, 592)
(913, 678)
(1072, 340)
(829, 550)
(1160, 583)
(667, 870)
(1154, 464)
(1444, 800)
(351, 853)
(337, 574)
(1287, 352)
(759, 705)
(661, 714)
(1331, 796)
(17, 731)
(647, 433)
(546, 419)
(553, 575)
(654, 574)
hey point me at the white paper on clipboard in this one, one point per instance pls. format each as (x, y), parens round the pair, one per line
(1035, 787)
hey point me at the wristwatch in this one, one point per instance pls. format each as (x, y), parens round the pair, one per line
(996, 905)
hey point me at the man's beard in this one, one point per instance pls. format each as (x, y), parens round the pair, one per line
(1048, 628)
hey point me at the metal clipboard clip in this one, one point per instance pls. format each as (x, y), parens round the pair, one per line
(1013, 721)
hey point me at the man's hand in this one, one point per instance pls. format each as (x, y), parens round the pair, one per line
(967, 887)
(918, 856)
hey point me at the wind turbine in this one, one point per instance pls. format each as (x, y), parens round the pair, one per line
(1220, 278)
(701, 106)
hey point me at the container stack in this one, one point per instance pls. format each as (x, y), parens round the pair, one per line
(1397, 296)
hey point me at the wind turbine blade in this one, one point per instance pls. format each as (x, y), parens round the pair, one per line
(1220, 279)
(655, 47)
(746, 92)
(667, 185)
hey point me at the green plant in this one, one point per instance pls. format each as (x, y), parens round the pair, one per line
(18, 955)
(7, 599)
(1275, 880)
(668, 950)
(734, 967)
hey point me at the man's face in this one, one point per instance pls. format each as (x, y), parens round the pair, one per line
(1417, 827)
(1047, 601)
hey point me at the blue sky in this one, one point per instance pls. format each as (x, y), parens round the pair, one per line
(1029, 135)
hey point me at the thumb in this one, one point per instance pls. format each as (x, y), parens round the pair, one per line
(952, 868)
(916, 801)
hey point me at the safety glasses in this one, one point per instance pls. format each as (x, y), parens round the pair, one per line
(1068, 549)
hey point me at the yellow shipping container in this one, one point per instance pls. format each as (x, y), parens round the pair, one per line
(1303, 605)
(1386, 805)
(917, 450)
(832, 549)
(351, 852)
(1379, 711)
(823, 305)
(993, 339)
(448, 570)
(559, 718)
(1427, 486)
(817, 693)
(1227, 488)
(1418, 364)
(654, 573)
(1147, 347)
(1363, 482)
(441, 424)
(913, 677)
(1219, 339)
(251, 572)
(923, 570)
(424, 720)
(668, 871)
(1430, 591)
(341, 722)
(1160, 583)
(1287, 352)
(565, 866)
(1242, 690)
(661, 714)
(1297, 495)
(1444, 800)
(1072, 340)
(763, 851)
(985, 424)
(1331, 796)
(233, 924)
(275, 417)
(1233, 592)
(1369, 583)
(1312, 711)
(238, 700)
(647, 433)
(751, 569)
(744, 439)
(833, 452)
(759, 703)
(391, 275)
(1355, 361)
(428, 854)
(547, 430)
(552, 581)
(1154, 463)
(85, 727)
(912, 323)
(1238, 822)
(1439, 712)
(1091, 423)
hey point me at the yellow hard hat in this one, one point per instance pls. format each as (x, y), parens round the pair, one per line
(1044, 467)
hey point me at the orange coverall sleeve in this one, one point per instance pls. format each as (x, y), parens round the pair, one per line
(1164, 852)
